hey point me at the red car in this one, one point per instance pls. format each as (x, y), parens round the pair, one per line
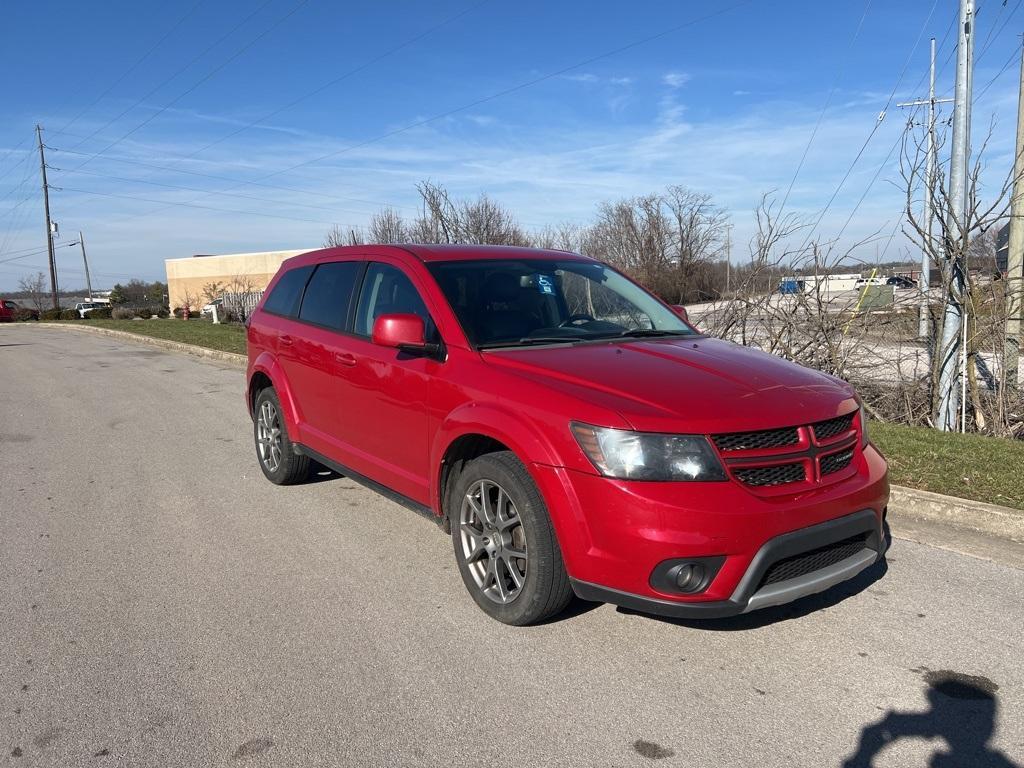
(573, 433)
(11, 311)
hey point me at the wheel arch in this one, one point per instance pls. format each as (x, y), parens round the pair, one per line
(474, 431)
(264, 372)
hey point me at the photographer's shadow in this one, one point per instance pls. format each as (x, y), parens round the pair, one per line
(962, 712)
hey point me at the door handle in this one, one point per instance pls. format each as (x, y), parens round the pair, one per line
(345, 358)
(286, 340)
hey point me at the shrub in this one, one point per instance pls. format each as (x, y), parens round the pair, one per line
(50, 314)
(100, 313)
(118, 313)
(144, 312)
(180, 311)
(162, 313)
(69, 314)
(22, 314)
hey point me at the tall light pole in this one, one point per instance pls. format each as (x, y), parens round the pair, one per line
(88, 282)
(950, 345)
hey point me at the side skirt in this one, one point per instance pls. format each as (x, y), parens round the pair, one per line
(373, 485)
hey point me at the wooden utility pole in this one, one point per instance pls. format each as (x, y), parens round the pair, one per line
(1015, 255)
(49, 224)
(88, 282)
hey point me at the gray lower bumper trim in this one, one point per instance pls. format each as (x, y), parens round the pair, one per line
(818, 581)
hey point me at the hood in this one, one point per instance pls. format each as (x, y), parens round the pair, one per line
(698, 385)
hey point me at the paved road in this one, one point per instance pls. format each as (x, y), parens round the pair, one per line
(161, 604)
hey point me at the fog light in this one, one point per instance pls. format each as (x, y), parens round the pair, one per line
(690, 577)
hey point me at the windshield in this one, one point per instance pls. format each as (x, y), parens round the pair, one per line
(517, 303)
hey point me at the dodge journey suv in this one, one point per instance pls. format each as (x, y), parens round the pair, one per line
(571, 432)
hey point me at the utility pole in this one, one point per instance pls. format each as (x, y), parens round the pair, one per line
(1015, 255)
(924, 324)
(88, 282)
(949, 350)
(49, 229)
(728, 256)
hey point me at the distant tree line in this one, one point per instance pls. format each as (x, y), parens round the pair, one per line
(671, 241)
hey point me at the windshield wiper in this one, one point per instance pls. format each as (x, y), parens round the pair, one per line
(648, 332)
(530, 341)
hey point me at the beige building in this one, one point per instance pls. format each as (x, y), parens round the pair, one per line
(187, 278)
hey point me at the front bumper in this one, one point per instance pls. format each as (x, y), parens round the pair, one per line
(752, 593)
(615, 534)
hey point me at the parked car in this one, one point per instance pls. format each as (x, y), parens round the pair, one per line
(572, 432)
(12, 310)
(899, 281)
(870, 281)
(208, 308)
(83, 308)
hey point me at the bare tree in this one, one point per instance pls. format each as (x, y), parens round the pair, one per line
(387, 226)
(34, 288)
(337, 236)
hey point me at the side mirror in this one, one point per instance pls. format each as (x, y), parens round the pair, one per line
(401, 331)
(680, 310)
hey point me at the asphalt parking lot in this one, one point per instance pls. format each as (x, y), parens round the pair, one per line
(162, 604)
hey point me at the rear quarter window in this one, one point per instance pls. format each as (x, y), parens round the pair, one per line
(284, 298)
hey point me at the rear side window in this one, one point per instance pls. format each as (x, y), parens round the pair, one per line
(284, 299)
(329, 294)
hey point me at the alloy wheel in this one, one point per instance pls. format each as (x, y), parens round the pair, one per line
(268, 436)
(493, 541)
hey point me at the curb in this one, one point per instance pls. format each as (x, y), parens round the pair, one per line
(232, 358)
(975, 516)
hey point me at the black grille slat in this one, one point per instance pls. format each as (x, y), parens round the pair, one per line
(749, 441)
(814, 560)
(825, 430)
(836, 461)
(763, 477)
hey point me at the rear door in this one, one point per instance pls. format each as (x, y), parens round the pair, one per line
(319, 351)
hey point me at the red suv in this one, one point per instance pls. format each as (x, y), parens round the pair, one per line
(11, 311)
(573, 433)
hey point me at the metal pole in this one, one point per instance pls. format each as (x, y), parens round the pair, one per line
(49, 230)
(956, 226)
(924, 330)
(88, 282)
(1015, 255)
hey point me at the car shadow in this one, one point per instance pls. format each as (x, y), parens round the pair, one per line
(962, 711)
(318, 473)
(795, 610)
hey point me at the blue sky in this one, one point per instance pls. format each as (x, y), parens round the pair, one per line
(148, 109)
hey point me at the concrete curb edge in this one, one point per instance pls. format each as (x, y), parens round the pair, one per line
(232, 358)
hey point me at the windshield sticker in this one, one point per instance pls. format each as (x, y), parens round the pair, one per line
(545, 285)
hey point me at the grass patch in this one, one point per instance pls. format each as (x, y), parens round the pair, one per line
(226, 337)
(968, 466)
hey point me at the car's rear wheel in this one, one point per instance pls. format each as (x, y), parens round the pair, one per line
(504, 542)
(275, 451)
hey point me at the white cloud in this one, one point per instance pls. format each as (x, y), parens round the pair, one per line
(676, 79)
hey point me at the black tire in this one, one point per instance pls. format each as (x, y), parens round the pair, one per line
(290, 467)
(545, 589)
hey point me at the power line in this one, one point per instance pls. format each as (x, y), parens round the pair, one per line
(132, 68)
(825, 106)
(202, 207)
(491, 97)
(354, 71)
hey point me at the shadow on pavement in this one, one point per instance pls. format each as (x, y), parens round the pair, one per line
(318, 473)
(962, 712)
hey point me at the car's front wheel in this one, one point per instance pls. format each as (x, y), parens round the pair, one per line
(276, 454)
(505, 545)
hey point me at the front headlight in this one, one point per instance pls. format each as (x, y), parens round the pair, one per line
(647, 456)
